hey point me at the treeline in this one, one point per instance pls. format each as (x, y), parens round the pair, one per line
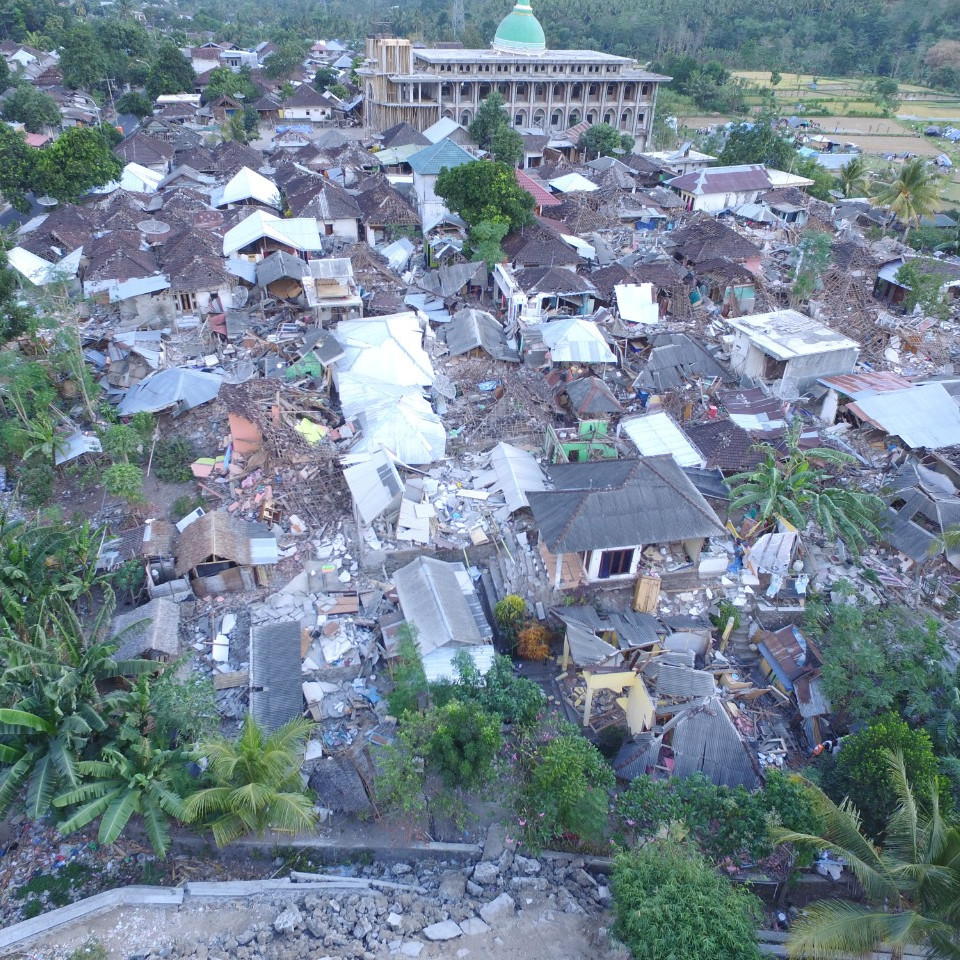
(828, 37)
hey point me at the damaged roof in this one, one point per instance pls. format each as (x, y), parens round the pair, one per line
(276, 695)
(222, 536)
(619, 503)
(675, 360)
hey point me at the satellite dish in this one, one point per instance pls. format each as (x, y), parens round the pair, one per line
(47, 201)
(239, 295)
(156, 228)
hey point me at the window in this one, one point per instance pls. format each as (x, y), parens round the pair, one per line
(615, 563)
(186, 302)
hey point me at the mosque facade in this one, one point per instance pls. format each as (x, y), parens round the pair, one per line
(552, 90)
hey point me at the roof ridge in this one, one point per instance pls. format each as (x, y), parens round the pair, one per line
(674, 487)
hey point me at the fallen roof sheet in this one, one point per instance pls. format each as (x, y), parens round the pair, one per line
(168, 388)
(573, 340)
(374, 483)
(276, 693)
(921, 416)
(636, 303)
(518, 473)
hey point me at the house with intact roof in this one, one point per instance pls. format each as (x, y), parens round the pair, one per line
(427, 164)
(598, 518)
(713, 189)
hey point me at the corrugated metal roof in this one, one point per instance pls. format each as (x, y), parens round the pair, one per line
(621, 503)
(875, 381)
(681, 682)
(276, 694)
(170, 387)
(704, 740)
(676, 359)
(732, 179)
(921, 416)
(247, 184)
(656, 433)
(436, 599)
(297, 232)
(633, 629)
(469, 329)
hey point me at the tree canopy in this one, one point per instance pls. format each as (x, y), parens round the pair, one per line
(31, 107)
(758, 142)
(603, 140)
(491, 117)
(76, 161)
(170, 72)
(485, 190)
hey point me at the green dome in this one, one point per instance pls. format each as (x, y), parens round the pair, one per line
(520, 31)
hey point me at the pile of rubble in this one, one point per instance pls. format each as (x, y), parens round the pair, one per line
(402, 908)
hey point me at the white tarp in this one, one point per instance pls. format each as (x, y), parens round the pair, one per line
(637, 303)
(39, 271)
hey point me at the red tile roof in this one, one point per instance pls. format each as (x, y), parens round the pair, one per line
(541, 195)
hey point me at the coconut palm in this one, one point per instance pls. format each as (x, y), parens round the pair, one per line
(913, 193)
(256, 783)
(792, 487)
(911, 885)
(134, 780)
(852, 179)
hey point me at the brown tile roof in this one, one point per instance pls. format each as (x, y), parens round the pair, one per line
(402, 134)
(606, 278)
(380, 205)
(305, 96)
(143, 149)
(536, 246)
(330, 202)
(725, 446)
(552, 280)
(712, 180)
(705, 238)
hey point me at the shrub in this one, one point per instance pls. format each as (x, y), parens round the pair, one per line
(124, 480)
(860, 770)
(610, 740)
(669, 902)
(35, 485)
(120, 443)
(184, 505)
(563, 785)
(509, 614)
(172, 458)
(513, 699)
(533, 643)
(144, 424)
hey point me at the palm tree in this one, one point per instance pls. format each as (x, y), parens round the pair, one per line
(853, 178)
(793, 488)
(910, 884)
(912, 194)
(256, 783)
(134, 780)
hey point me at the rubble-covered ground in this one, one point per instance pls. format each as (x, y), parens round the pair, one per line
(507, 907)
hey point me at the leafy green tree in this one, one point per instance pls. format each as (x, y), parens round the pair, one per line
(136, 780)
(604, 140)
(885, 92)
(16, 317)
(490, 119)
(909, 884)
(240, 84)
(31, 107)
(121, 442)
(563, 782)
(877, 659)
(83, 60)
(823, 180)
(255, 783)
(506, 145)
(509, 613)
(78, 160)
(791, 486)
(124, 480)
(758, 142)
(235, 128)
(170, 72)
(485, 190)
(924, 290)
(775, 78)
(853, 178)
(136, 103)
(484, 242)
(324, 78)
(4, 75)
(409, 678)
(286, 60)
(812, 259)
(17, 169)
(911, 194)
(182, 711)
(861, 773)
(669, 902)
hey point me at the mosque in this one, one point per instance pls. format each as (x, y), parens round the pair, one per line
(552, 90)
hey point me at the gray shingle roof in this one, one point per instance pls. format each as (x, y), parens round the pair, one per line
(618, 503)
(276, 693)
